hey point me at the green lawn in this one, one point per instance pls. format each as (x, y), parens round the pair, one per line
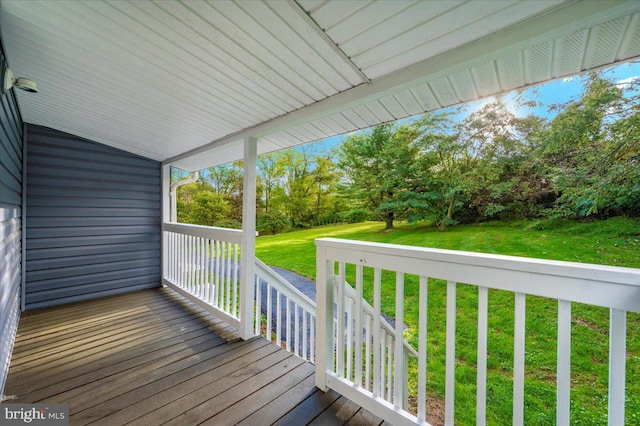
(612, 242)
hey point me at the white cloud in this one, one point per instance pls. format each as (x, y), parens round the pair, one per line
(624, 83)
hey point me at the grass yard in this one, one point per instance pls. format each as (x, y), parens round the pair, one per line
(611, 242)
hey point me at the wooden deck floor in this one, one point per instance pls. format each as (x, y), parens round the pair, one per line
(149, 358)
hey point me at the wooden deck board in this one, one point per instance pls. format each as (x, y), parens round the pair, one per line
(149, 357)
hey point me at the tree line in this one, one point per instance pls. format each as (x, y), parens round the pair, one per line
(581, 161)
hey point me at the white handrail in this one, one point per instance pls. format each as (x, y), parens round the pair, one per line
(615, 288)
(276, 281)
(289, 315)
(210, 232)
(575, 282)
(203, 266)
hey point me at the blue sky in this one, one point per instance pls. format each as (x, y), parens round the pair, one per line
(547, 94)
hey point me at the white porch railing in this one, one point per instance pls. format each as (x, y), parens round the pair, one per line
(366, 370)
(203, 266)
(284, 314)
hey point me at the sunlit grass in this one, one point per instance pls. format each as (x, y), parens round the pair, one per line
(611, 242)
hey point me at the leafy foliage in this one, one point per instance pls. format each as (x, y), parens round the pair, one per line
(492, 164)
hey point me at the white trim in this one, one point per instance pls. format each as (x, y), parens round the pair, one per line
(165, 214)
(576, 282)
(210, 232)
(248, 238)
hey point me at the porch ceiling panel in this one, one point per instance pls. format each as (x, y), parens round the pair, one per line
(185, 81)
(556, 58)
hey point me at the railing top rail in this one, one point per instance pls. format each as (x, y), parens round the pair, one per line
(210, 232)
(609, 286)
(593, 272)
(274, 279)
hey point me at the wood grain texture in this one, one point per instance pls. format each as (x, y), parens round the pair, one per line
(149, 357)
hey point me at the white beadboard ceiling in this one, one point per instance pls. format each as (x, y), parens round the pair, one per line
(185, 81)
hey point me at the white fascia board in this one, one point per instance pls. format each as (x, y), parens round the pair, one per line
(573, 16)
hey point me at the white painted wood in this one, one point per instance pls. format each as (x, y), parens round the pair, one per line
(617, 366)
(368, 344)
(422, 348)
(564, 363)
(324, 300)
(518, 360)
(487, 272)
(390, 364)
(248, 260)
(358, 326)
(368, 401)
(210, 232)
(257, 315)
(384, 324)
(591, 284)
(450, 380)
(377, 338)
(399, 378)
(278, 318)
(340, 336)
(349, 338)
(481, 384)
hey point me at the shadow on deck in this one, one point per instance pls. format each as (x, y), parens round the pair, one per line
(150, 358)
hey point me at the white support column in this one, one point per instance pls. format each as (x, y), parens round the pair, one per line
(324, 318)
(248, 258)
(165, 215)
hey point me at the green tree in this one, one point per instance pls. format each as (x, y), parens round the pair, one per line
(444, 163)
(199, 204)
(591, 152)
(379, 168)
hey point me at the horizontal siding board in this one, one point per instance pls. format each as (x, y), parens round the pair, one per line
(92, 268)
(92, 212)
(88, 250)
(130, 169)
(9, 196)
(46, 243)
(11, 144)
(62, 262)
(67, 281)
(9, 163)
(106, 159)
(10, 180)
(88, 231)
(69, 183)
(65, 292)
(104, 194)
(71, 222)
(93, 202)
(53, 171)
(11, 239)
(69, 143)
(93, 220)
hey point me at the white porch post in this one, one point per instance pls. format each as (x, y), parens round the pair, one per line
(165, 216)
(247, 260)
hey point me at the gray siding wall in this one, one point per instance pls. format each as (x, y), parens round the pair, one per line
(93, 220)
(10, 227)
